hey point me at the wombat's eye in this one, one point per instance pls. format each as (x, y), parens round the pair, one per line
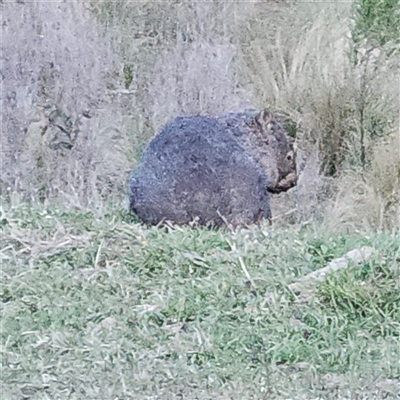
(289, 157)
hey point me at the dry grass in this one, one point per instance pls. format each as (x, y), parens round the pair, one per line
(370, 200)
(63, 138)
(141, 65)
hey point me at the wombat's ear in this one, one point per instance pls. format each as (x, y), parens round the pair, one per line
(264, 117)
(264, 120)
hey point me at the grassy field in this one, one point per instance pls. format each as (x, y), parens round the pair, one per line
(104, 308)
(95, 305)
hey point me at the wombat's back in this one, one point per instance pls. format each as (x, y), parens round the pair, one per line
(195, 169)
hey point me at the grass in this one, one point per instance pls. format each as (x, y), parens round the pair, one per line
(104, 308)
(96, 306)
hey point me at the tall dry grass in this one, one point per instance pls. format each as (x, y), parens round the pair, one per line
(115, 72)
(369, 200)
(344, 109)
(62, 137)
(181, 57)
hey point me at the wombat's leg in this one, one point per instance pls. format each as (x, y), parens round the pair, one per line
(264, 213)
(284, 184)
(259, 217)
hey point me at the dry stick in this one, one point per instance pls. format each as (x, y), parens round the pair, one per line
(356, 256)
(97, 259)
(304, 287)
(284, 214)
(229, 226)
(242, 264)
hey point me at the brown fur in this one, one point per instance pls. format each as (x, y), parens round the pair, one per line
(214, 170)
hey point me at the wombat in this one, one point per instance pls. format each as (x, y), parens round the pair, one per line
(213, 170)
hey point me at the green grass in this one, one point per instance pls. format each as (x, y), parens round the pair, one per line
(104, 308)
(376, 21)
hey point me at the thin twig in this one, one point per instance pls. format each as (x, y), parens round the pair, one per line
(284, 214)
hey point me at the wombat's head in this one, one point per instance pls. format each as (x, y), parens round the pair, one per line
(275, 137)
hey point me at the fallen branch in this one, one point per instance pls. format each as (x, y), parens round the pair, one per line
(292, 211)
(304, 287)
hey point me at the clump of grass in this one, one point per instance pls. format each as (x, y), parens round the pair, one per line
(368, 293)
(60, 142)
(376, 22)
(344, 111)
(370, 199)
(105, 308)
(293, 73)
